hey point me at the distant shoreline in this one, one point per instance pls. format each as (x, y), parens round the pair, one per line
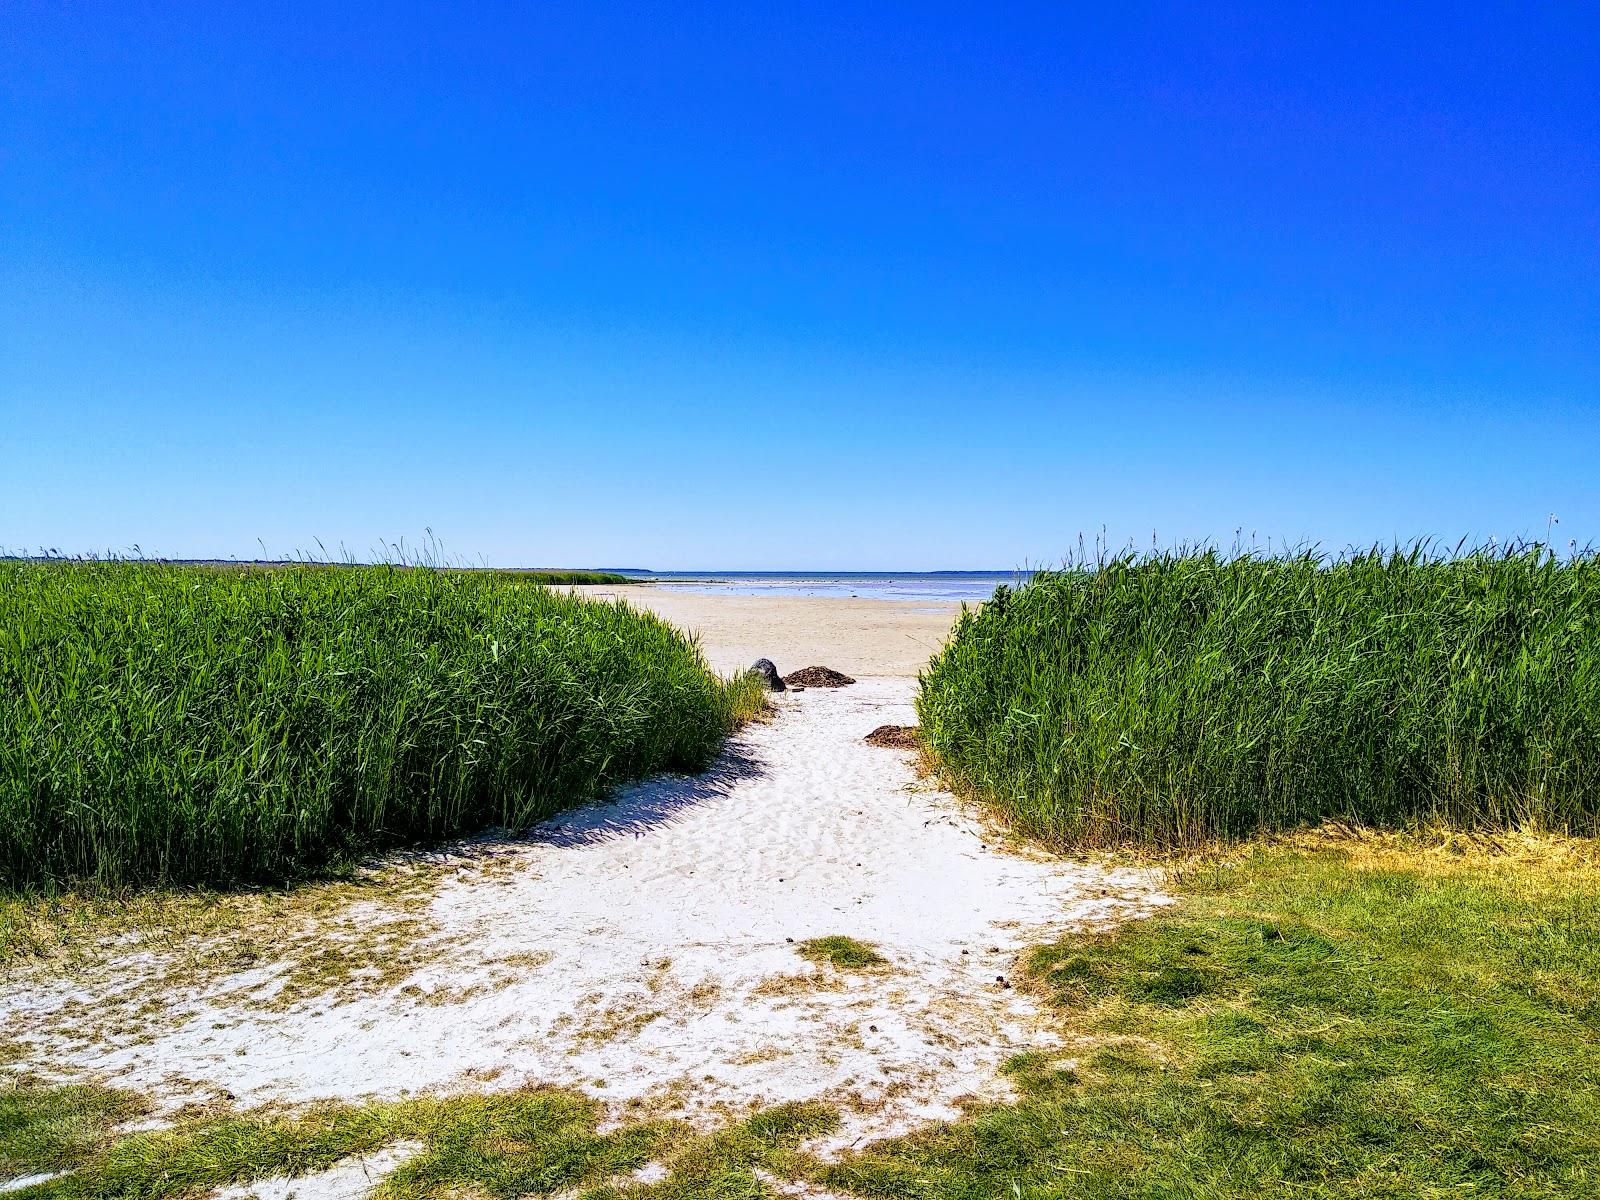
(861, 636)
(915, 586)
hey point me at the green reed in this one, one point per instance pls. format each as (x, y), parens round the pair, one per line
(1171, 699)
(561, 578)
(164, 724)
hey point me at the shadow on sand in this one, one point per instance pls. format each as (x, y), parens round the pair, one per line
(632, 811)
(641, 807)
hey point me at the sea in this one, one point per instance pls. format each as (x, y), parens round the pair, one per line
(970, 586)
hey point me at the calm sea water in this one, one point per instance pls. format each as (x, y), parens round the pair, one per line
(868, 585)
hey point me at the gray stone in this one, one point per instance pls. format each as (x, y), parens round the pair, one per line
(769, 674)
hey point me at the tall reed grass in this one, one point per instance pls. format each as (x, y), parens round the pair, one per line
(1172, 699)
(164, 724)
(564, 578)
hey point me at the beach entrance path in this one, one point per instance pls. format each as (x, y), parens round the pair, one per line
(808, 920)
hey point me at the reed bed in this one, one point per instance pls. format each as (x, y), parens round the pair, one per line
(165, 724)
(1173, 699)
(560, 578)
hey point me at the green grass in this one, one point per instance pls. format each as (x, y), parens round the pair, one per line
(560, 578)
(840, 951)
(51, 1128)
(428, 558)
(535, 1142)
(1173, 699)
(1343, 1018)
(1327, 1017)
(163, 724)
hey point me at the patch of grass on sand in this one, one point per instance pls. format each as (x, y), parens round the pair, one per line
(323, 931)
(50, 1128)
(730, 1163)
(1336, 1017)
(840, 951)
(199, 1156)
(744, 698)
(517, 1144)
(534, 1142)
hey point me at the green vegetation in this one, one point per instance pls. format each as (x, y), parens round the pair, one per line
(1344, 1017)
(1335, 1013)
(52, 1128)
(429, 557)
(165, 724)
(1172, 699)
(198, 930)
(840, 951)
(563, 578)
(1330, 1016)
(536, 1142)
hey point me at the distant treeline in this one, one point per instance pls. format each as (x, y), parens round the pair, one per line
(558, 576)
(561, 578)
(1170, 699)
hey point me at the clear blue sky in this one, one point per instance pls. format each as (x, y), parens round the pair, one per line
(797, 286)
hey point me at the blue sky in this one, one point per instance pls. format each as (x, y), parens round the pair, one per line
(684, 286)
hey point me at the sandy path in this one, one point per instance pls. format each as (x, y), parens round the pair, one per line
(858, 637)
(641, 950)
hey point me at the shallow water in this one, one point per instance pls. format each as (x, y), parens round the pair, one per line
(866, 585)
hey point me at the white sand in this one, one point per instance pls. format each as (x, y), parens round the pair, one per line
(345, 1180)
(28, 1181)
(654, 960)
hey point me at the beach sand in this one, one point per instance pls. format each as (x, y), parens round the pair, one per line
(858, 637)
(644, 950)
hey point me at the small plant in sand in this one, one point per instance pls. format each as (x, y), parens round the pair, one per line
(836, 950)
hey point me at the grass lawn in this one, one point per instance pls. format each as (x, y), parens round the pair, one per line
(1323, 1016)
(1330, 1017)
